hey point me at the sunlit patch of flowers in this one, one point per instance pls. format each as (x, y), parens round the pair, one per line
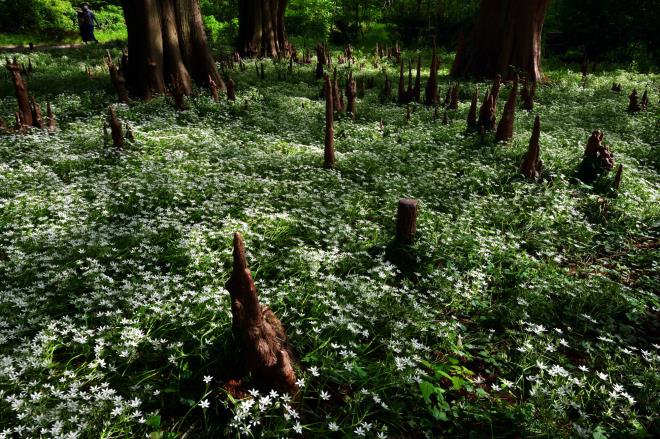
(526, 307)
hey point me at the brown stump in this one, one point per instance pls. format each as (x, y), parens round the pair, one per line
(320, 60)
(431, 95)
(115, 128)
(37, 120)
(532, 166)
(402, 91)
(633, 105)
(504, 131)
(453, 102)
(329, 151)
(351, 93)
(260, 334)
(118, 80)
(231, 90)
(406, 220)
(52, 124)
(487, 113)
(20, 87)
(417, 89)
(472, 114)
(598, 159)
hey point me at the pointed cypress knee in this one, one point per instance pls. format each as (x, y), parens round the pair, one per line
(532, 166)
(37, 119)
(406, 220)
(117, 79)
(505, 127)
(472, 114)
(417, 89)
(633, 105)
(231, 90)
(495, 90)
(262, 339)
(329, 150)
(402, 91)
(115, 128)
(487, 112)
(21, 89)
(213, 88)
(453, 102)
(644, 104)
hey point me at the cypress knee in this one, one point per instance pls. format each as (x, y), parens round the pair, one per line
(213, 87)
(487, 112)
(20, 87)
(505, 127)
(37, 120)
(406, 220)
(453, 102)
(262, 339)
(329, 151)
(115, 128)
(117, 79)
(617, 178)
(633, 105)
(532, 166)
(431, 96)
(231, 90)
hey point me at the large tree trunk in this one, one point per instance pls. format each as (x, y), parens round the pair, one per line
(261, 28)
(166, 40)
(507, 33)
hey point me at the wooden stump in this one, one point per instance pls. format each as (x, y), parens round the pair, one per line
(487, 112)
(329, 151)
(213, 87)
(431, 95)
(633, 105)
(406, 220)
(532, 166)
(118, 80)
(262, 339)
(21, 89)
(115, 129)
(231, 90)
(37, 120)
(453, 102)
(417, 89)
(504, 131)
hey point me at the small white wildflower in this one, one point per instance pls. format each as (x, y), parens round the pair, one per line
(204, 404)
(207, 379)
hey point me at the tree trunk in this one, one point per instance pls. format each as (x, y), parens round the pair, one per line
(507, 33)
(261, 28)
(167, 44)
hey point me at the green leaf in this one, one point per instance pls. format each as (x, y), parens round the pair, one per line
(154, 421)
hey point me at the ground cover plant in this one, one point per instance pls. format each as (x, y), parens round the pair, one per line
(521, 309)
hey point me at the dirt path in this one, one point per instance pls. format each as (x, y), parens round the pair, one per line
(36, 48)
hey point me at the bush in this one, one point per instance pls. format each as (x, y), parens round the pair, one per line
(47, 15)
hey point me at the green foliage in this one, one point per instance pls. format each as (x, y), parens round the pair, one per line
(47, 15)
(529, 309)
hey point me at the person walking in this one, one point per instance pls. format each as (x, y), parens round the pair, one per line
(88, 21)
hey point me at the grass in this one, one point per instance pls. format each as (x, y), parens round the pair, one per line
(521, 310)
(24, 39)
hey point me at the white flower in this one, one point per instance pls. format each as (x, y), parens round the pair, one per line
(314, 371)
(583, 368)
(359, 431)
(300, 382)
(207, 379)
(297, 428)
(333, 426)
(204, 404)
(325, 395)
(602, 376)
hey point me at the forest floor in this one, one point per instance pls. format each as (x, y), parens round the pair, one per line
(522, 309)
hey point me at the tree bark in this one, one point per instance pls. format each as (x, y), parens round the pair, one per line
(261, 28)
(507, 33)
(167, 44)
